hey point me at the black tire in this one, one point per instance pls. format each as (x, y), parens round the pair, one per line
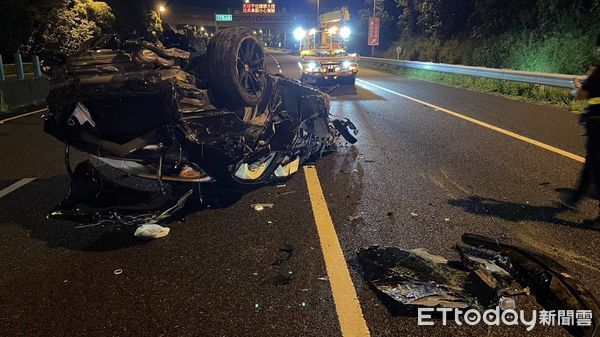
(236, 69)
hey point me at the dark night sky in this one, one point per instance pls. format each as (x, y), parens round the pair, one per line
(325, 4)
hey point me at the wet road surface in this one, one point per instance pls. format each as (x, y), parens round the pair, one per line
(418, 177)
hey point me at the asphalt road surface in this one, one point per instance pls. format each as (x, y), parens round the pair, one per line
(432, 162)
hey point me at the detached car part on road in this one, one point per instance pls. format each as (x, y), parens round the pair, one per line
(157, 110)
(489, 272)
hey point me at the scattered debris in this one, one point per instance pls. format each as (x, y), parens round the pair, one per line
(356, 216)
(285, 193)
(260, 207)
(285, 254)
(88, 225)
(151, 231)
(414, 215)
(507, 303)
(489, 274)
(281, 185)
(118, 271)
(550, 282)
(446, 219)
(324, 278)
(414, 280)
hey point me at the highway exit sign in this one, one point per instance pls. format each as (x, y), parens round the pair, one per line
(223, 17)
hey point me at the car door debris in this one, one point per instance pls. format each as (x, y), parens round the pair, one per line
(489, 274)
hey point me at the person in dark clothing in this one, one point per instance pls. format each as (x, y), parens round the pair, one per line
(589, 90)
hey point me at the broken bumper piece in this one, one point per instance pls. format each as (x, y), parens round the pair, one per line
(487, 273)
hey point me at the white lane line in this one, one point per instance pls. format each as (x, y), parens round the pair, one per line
(15, 186)
(483, 124)
(23, 115)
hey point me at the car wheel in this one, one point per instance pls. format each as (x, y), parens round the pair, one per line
(236, 69)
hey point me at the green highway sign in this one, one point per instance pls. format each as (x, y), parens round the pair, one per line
(223, 17)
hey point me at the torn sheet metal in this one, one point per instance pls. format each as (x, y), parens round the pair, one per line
(415, 278)
(550, 282)
(489, 274)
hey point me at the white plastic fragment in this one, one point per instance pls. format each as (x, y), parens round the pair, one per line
(151, 231)
(118, 271)
(414, 215)
(260, 207)
(82, 114)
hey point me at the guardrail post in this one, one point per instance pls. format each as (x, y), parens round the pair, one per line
(19, 67)
(37, 69)
(2, 78)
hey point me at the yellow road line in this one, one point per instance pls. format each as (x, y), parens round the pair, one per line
(351, 319)
(485, 125)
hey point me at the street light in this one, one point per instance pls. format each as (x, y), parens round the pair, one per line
(161, 9)
(299, 35)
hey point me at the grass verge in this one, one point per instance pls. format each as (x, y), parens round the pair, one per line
(527, 92)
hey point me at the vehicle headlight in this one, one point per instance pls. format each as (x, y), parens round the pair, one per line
(312, 67)
(347, 64)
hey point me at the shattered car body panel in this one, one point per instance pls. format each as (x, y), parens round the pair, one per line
(552, 283)
(416, 278)
(488, 271)
(155, 112)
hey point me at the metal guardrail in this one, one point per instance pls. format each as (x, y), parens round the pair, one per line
(554, 80)
(19, 68)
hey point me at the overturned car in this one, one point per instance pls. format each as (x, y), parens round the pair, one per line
(160, 111)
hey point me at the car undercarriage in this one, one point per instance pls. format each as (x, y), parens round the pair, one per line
(158, 110)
